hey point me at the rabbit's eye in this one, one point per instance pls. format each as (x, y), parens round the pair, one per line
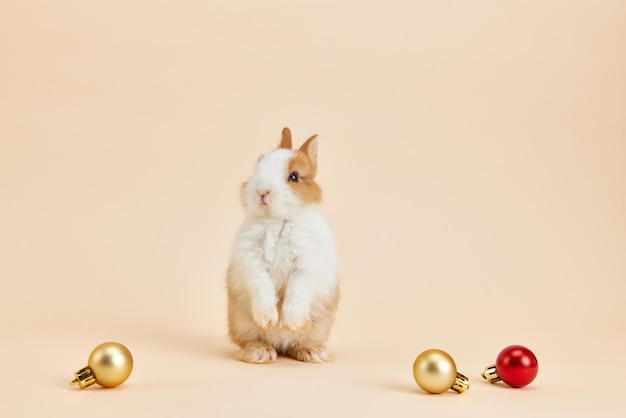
(294, 177)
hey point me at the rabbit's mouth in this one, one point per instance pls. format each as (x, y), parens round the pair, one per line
(264, 196)
(264, 200)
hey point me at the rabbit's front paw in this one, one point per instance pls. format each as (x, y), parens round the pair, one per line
(265, 316)
(296, 320)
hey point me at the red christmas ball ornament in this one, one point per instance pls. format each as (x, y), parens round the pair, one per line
(516, 366)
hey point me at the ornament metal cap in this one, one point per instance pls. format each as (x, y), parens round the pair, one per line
(83, 378)
(461, 383)
(490, 374)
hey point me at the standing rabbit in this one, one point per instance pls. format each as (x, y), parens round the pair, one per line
(282, 280)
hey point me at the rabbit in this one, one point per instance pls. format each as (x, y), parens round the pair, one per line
(282, 283)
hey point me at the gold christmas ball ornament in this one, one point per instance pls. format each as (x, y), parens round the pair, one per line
(435, 372)
(109, 365)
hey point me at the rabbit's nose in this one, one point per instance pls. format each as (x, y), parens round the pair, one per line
(263, 192)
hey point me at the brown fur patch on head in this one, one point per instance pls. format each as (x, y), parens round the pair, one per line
(305, 187)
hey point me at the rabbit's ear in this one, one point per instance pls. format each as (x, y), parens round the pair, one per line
(285, 141)
(310, 149)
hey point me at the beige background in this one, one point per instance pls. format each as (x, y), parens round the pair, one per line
(473, 161)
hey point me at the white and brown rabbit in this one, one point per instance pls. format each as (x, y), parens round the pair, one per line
(282, 281)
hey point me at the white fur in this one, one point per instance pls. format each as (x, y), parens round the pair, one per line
(282, 249)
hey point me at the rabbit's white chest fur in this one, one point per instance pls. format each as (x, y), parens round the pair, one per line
(279, 256)
(303, 246)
